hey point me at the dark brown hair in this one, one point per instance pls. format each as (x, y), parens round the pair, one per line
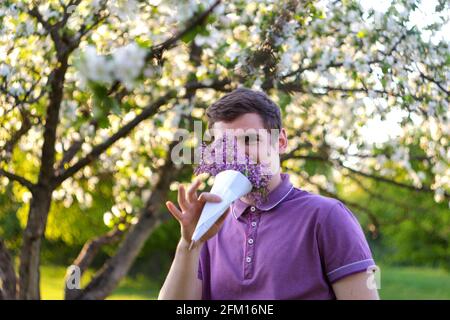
(242, 101)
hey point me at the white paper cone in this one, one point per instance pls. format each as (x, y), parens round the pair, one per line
(230, 185)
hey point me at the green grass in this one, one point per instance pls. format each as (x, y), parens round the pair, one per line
(396, 283)
(414, 283)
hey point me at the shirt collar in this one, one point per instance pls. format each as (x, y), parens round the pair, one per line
(273, 198)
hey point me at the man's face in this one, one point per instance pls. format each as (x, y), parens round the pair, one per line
(261, 145)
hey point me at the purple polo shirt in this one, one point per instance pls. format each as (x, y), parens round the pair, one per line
(293, 246)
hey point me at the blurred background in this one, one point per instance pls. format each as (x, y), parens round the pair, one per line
(94, 93)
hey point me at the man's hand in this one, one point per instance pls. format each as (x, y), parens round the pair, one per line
(182, 281)
(191, 206)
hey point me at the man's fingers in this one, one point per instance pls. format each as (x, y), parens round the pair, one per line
(182, 197)
(209, 197)
(192, 191)
(177, 214)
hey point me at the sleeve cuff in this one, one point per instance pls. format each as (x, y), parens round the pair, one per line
(349, 269)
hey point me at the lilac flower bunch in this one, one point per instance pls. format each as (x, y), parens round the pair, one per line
(222, 154)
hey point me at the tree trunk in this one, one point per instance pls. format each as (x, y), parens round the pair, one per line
(7, 274)
(30, 255)
(42, 194)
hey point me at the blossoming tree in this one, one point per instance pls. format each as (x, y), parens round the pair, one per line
(88, 87)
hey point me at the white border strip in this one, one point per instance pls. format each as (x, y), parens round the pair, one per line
(232, 210)
(287, 193)
(348, 265)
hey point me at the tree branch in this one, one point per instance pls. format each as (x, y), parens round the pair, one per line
(56, 80)
(293, 155)
(11, 143)
(406, 208)
(87, 255)
(393, 182)
(157, 50)
(11, 176)
(69, 154)
(99, 17)
(122, 132)
(437, 83)
(67, 12)
(53, 30)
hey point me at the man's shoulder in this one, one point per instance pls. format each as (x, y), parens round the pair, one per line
(312, 202)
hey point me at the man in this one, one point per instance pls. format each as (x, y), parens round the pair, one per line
(294, 245)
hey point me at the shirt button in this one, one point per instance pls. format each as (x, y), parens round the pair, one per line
(250, 241)
(248, 259)
(253, 223)
(252, 209)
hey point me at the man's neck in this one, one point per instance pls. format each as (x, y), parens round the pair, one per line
(273, 183)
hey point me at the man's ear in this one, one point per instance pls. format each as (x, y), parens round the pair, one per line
(282, 141)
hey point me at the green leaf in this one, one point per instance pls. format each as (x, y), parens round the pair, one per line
(103, 105)
(285, 99)
(144, 43)
(103, 122)
(188, 37)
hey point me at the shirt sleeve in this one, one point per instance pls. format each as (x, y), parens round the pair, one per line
(203, 272)
(343, 246)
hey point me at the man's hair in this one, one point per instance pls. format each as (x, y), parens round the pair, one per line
(242, 101)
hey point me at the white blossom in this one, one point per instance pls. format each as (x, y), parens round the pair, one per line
(212, 40)
(128, 63)
(69, 108)
(233, 51)
(4, 70)
(16, 89)
(125, 65)
(124, 9)
(107, 218)
(95, 67)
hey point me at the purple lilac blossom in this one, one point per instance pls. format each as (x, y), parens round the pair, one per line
(222, 154)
